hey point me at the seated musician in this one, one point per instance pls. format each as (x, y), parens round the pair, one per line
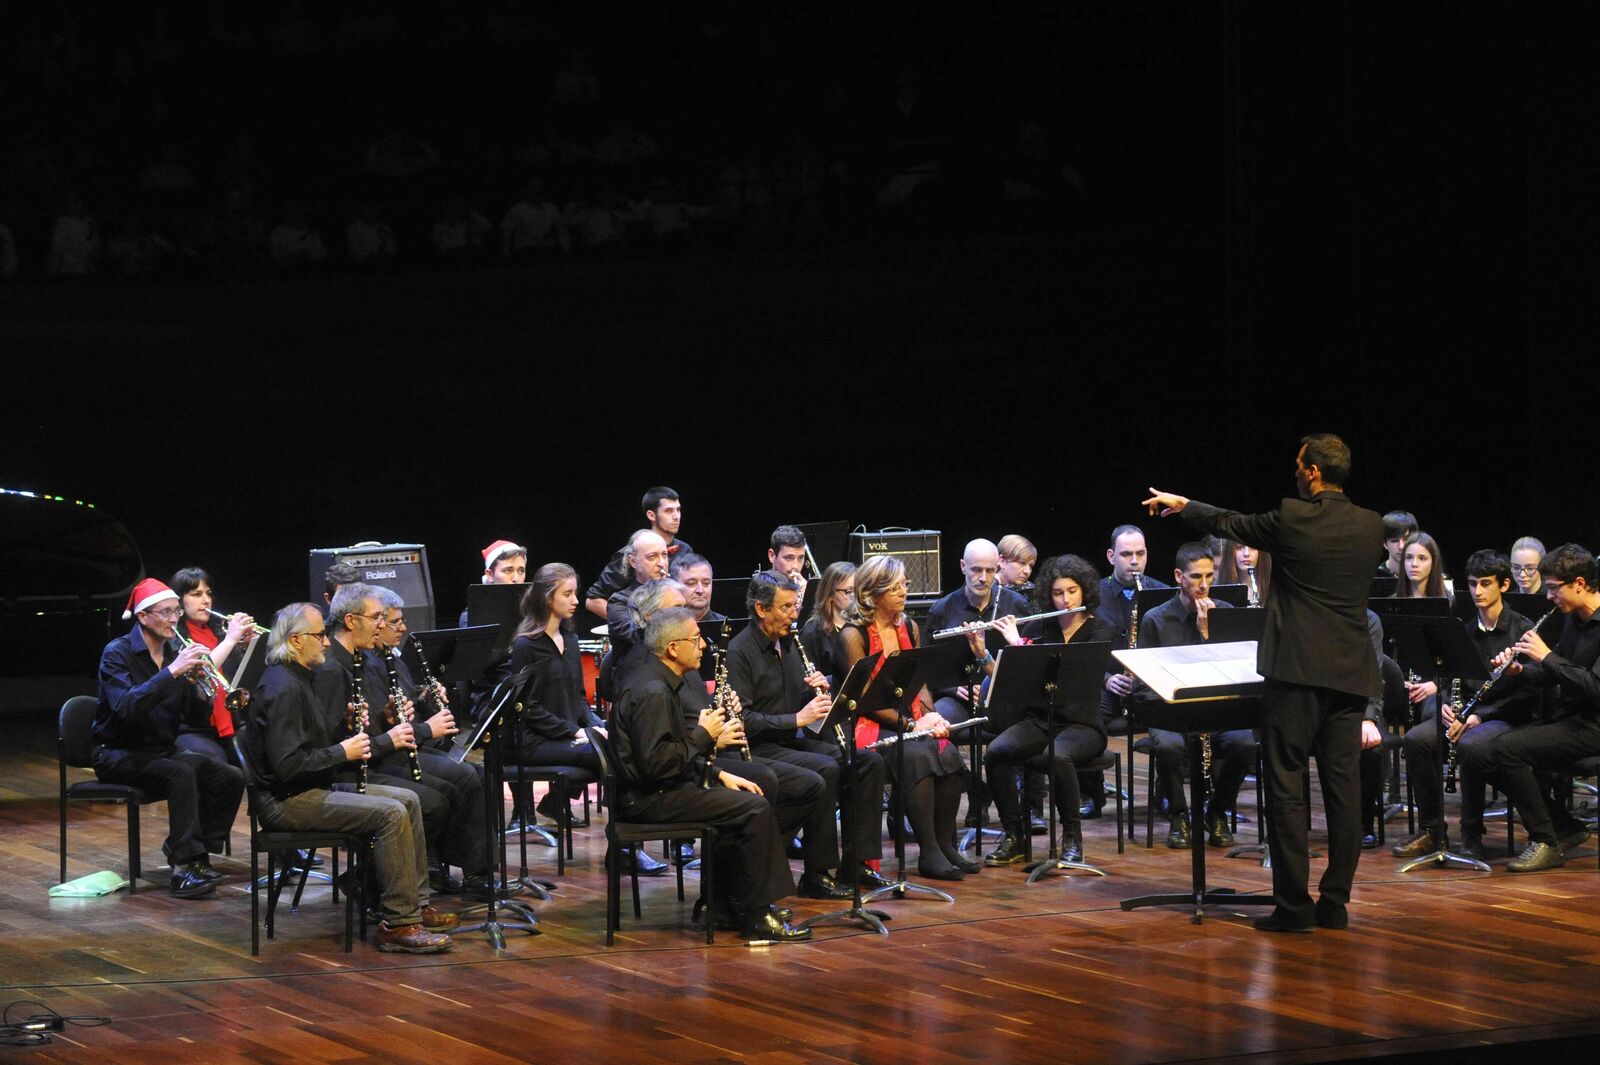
(149, 700)
(354, 619)
(663, 515)
(980, 598)
(647, 561)
(1525, 556)
(1572, 728)
(463, 843)
(299, 758)
(1249, 566)
(1397, 525)
(1512, 703)
(1065, 582)
(1423, 572)
(820, 633)
(694, 573)
(795, 793)
(222, 637)
(660, 766)
(780, 698)
(1018, 556)
(1181, 621)
(929, 773)
(503, 563)
(335, 577)
(1129, 557)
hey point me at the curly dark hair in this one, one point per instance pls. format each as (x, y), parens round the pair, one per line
(1070, 566)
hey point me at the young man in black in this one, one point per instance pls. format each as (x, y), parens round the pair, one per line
(663, 515)
(1572, 728)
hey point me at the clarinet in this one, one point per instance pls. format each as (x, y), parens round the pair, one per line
(359, 717)
(1133, 630)
(430, 682)
(1450, 761)
(805, 663)
(1254, 596)
(396, 707)
(720, 701)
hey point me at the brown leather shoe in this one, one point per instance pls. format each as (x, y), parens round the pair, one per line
(436, 921)
(410, 939)
(1415, 847)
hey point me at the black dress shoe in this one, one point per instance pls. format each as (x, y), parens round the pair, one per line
(440, 882)
(1037, 825)
(559, 812)
(645, 865)
(822, 886)
(1009, 852)
(765, 927)
(1335, 917)
(948, 872)
(188, 884)
(203, 869)
(793, 850)
(782, 913)
(1471, 847)
(1178, 834)
(1219, 836)
(1091, 809)
(685, 851)
(1279, 922)
(1369, 841)
(1071, 849)
(869, 880)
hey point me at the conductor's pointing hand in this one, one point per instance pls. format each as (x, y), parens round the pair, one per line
(1165, 503)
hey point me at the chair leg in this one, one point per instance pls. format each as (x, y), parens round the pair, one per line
(274, 886)
(671, 847)
(613, 890)
(135, 866)
(349, 898)
(1118, 766)
(63, 804)
(255, 893)
(633, 876)
(300, 888)
(708, 884)
(558, 787)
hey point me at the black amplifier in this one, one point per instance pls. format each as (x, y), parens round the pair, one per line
(917, 549)
(402, 568)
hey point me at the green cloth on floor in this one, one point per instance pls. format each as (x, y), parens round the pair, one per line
(89, 887)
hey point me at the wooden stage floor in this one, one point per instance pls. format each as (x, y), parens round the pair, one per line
(1433, 962)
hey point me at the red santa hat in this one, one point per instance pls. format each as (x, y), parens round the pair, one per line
(499, 549)
(146, 594)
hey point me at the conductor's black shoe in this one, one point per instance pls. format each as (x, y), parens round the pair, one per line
(1331, 916)
(202, 867)
(188, 884)
(765, 927)
(1218, 835)
(871, 880)
(1471, 846)
(822, 886)
(793, 850)
(1071, 849)
(1009, 852)
(1277, 921)
(1536, 857)
(1178, 834)
(645, 865)
(1572, 838)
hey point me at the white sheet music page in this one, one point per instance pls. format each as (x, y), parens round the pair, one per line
(1199, 671)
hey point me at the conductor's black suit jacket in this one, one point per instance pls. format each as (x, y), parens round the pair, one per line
(1323, 550)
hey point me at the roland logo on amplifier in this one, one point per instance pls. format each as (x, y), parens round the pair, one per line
(381, 574)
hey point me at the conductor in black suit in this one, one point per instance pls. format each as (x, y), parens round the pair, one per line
(1319, 666)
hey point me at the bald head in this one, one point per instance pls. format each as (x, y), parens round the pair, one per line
(980, 563)
(647, 555)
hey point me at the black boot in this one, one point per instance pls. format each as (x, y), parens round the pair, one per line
(1011, 849)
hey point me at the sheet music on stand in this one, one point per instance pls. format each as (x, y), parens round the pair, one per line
(1198, 671)
(249, 669)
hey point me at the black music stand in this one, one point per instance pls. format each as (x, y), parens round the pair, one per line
(1206, 705)
(895, 687)
(1060, 674)
(487, 731)
(1437, 642)
(847, 706)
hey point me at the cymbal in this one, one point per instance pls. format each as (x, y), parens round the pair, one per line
(600, 630)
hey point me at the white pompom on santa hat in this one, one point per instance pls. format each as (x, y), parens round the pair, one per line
(146, 594)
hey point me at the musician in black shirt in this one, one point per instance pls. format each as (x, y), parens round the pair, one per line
(980, 598)
(779, 700)
(1183, 621)
(647, 561)
(1572, 729)
(1513, 702)
(695, 574)
(663, 513)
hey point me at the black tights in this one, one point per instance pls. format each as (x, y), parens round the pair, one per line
(931, 808)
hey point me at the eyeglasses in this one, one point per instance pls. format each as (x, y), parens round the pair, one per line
(1524, 569)
(169, 613)
(699, 640)
(320, 634)
(1553, 586)
(377, 619)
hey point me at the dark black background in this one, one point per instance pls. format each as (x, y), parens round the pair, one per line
(1377, 220)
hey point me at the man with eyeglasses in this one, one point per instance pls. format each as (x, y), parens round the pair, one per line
(149, 698)
(1570, 730)
(659, 762)
(355, 621)
(297, 755)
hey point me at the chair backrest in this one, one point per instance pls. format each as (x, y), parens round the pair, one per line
(252, 778)
(608, 760)
(77, 717)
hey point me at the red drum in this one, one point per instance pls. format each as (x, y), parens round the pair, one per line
(592, 651)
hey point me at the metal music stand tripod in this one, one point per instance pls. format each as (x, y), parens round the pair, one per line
(1059, 674)
(1439, 643)
(488, 732)
(847, 706)
(895, 686)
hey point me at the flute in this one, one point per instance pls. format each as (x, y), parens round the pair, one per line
(980, 626)
(925, 734)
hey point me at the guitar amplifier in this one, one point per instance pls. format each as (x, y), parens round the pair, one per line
(402, 568)
(917, 549)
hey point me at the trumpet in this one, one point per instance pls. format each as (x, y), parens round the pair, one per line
(259, 630)
(210, 680)
(980, 626)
